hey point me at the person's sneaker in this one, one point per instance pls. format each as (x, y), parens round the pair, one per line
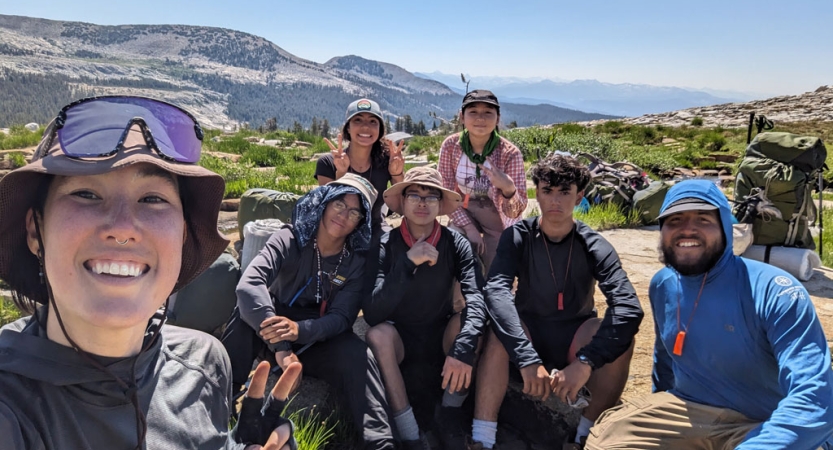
(419, 444)
(474, 445)
(448, 424)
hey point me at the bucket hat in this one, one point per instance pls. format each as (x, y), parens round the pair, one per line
(200, 189)
(422, 176)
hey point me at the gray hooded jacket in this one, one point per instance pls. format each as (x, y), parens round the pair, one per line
(52, 398)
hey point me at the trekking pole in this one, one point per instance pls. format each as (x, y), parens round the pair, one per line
(821, 215)
(749, 130)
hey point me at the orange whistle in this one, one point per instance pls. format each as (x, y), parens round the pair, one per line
(466, 201)
(678, 344)
(560, 301)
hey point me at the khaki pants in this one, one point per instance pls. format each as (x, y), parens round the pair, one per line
(486, 218)
(664, 421)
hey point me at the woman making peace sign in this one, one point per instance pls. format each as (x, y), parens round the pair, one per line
(368, 153)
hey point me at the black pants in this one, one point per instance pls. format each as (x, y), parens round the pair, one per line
(343, 361)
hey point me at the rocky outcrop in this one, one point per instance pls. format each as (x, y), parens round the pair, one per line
(809, 106)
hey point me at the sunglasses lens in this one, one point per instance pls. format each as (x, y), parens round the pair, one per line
(94, 128)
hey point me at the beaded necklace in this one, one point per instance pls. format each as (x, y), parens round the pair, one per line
(332, 275)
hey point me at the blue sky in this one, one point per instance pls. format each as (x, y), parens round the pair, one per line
(759, 46)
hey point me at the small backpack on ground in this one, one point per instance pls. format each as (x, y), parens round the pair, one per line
(774, 186)
(256, 204)
(648, 201)
(613, 183)
(206, 303)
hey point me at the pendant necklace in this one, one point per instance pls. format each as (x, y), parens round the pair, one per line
(678, 343)
(552, 271)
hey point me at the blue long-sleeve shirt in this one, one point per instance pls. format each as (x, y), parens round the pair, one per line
(754, 344)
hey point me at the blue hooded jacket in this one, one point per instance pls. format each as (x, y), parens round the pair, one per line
(755, 344)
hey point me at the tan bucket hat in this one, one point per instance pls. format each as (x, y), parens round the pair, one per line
(423, 176)
(201, 191)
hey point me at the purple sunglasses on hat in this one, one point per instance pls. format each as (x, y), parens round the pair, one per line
(96, 127)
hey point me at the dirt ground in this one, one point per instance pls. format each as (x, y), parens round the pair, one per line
(637, 249)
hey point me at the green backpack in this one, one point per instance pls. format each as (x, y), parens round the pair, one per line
(776, 178)
(256, 204)
(613, 183)
(648, 201)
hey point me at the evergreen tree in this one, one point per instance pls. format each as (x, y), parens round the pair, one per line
(314, 129)
(297, 128)
(398, 125)
(387, 124)
(408, 124)
(271, 124)
(434, 128)
(325, 129)
(512, 124)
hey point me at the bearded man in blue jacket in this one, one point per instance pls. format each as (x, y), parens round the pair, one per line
(740, 358)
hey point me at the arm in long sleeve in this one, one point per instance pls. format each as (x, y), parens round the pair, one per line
(341, 312)
(662, 375)
(513, 164)
(624, 313)
(802, 418)
(395, 271)
(500, 301)
(447, 166)
(10, 429)
(253, 298)
(473, 316)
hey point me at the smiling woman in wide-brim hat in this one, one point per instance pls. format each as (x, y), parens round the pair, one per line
(111, 217)
(426, 177)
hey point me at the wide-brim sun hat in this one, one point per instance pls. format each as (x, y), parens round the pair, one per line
(427, 177)
(200, 189)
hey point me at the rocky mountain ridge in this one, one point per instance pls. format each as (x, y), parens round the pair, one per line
(225, 77)
(809, 106)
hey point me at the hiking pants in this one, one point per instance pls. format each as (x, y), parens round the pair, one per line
(344, 361)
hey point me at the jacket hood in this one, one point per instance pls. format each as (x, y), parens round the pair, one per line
(26, 351)
(709, 192)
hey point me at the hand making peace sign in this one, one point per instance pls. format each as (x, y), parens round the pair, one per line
(396, 164)
(340, 157)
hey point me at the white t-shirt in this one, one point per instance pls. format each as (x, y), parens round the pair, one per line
(467, 179)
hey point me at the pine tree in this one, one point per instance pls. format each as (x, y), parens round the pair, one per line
(325, 129)
(314, 127)
(297, 128)
(408, 124)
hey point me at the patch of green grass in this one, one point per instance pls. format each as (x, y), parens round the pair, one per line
(312, 432)
(530, 192)
(697, 122)
(18, 159)
(8, 311)
(20, 137)
(607, 216)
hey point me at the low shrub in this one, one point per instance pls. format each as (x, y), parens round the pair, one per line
(607, 216)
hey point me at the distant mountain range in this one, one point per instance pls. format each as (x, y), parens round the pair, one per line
(590, 95)
(225, 77)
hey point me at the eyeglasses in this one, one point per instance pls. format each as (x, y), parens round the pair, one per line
(354, 214)
(416, 199)
(97, 127)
